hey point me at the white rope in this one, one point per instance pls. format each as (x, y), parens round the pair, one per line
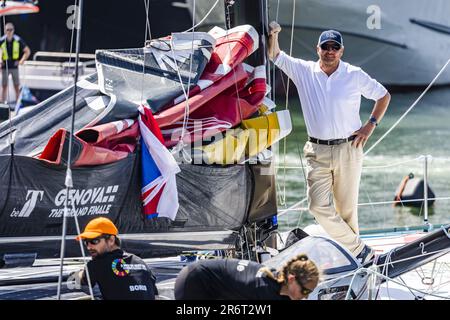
(404, 285)
(186, 110)
(409, 200)
(283, 196)
(329, 283)
(73, 205)
(370, 201)
(370, 167)
(394, 164)
(388, 261)
(147, 20)
(290, 50)
(72, 36)
(204, 18)
(234, 72)
(273, 63)
(147, 36)
(77, 225)
(391, 263)
(180, 145)
(292, 208)
(409, 109)
(68, 179)
(11, 135)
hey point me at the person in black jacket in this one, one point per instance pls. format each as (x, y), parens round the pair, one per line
(119, 275)
(235, 279)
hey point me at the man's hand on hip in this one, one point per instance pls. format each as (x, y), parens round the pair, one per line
(363, 134)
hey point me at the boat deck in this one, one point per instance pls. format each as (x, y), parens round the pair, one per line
(39, 282)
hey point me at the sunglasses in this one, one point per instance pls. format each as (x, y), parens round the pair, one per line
(9, 29)
(327, 47)
(305, 291)
(95, 241)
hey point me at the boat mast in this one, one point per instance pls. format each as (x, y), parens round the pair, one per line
(69, 180)
(253, 12)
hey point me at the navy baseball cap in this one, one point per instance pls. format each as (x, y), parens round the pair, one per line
(331, 35)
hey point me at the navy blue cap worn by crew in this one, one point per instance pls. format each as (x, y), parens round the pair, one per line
(331, 35)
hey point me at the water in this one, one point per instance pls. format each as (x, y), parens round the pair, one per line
(424, 131)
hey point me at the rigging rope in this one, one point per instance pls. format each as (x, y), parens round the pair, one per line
(234, 71)
(409, 109)
(380, 275)
(287, 100)
(179, 147)
(186, 109)
(68, 179)
(371, 167)
(204, 18)
(147, 38)
(388, 261)
(11, 136)
(273, 63)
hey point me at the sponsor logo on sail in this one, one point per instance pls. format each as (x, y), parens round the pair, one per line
(33, 196)
(82, 202)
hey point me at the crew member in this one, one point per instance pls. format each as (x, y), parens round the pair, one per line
(235, 279)
(119, 275)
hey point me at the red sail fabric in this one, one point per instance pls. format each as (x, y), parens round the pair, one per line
(232, 47)
(224, 111)
(176, 113)
(96, 145)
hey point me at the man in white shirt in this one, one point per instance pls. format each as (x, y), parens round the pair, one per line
(330, 95)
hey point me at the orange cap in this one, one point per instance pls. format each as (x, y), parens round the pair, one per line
(98, 226)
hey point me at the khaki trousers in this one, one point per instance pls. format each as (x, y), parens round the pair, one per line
(334, 172)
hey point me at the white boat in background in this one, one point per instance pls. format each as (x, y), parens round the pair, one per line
(400, 254)
(8, 8)
(47, 74)
(54, 70)
(401, 42)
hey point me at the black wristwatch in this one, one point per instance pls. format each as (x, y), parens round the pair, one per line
(373, 120)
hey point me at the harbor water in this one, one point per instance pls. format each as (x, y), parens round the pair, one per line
(424, 131)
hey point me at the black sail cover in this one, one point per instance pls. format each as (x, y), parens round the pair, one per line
(214, 201)
(32, 200)
(154, 73)
(32, 129)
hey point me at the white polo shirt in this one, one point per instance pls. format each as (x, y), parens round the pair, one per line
(330, 104)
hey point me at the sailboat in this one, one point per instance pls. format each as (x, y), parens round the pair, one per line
(226, 204)
(161, 208)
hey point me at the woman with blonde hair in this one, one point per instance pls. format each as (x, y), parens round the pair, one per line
(233, 279)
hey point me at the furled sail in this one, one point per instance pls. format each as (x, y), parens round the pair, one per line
(157, 73)
(122, 167)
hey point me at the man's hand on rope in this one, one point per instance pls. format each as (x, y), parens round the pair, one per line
(274, 28)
